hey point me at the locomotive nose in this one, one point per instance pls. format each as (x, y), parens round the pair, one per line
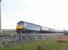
(18, 27)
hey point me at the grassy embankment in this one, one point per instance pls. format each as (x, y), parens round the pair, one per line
(39, 45)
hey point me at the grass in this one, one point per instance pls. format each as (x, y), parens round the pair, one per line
(47, 44)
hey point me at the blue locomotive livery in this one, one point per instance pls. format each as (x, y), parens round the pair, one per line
(27, 27)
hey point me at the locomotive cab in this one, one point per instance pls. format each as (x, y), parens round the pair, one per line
(20, 27)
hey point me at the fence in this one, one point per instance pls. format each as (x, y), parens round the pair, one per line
(6, 40)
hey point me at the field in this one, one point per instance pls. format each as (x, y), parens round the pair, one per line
(48, 44)
(55, 42)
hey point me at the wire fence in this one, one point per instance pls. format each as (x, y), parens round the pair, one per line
(8, 40)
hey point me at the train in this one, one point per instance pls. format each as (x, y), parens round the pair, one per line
(26, 27)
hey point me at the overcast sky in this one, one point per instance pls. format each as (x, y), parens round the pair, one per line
(48, 13)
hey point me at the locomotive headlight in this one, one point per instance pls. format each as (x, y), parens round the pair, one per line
(19, 27)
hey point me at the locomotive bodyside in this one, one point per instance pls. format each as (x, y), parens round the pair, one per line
(32, 27)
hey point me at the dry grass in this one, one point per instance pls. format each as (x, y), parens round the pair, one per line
(62, 39)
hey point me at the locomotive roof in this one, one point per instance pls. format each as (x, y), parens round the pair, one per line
(21, 22)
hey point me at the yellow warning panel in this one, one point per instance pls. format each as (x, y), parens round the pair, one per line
(19, 27)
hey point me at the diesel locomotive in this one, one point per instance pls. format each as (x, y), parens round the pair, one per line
(26, 27)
